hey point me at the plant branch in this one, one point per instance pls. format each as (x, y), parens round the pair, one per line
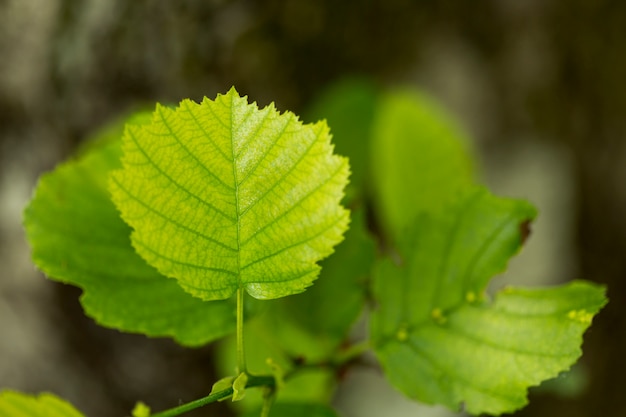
(342, 359)
(253, 381)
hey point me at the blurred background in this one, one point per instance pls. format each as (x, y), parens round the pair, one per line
(539, 85)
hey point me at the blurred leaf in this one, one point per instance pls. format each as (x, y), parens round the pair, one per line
(222, 195)
(440, 341)
(297, 410)
(77, 237)
(349, 107)
(419, 159)
(16, 404)
(328, 310)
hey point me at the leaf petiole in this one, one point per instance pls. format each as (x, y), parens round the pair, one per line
(241, 354)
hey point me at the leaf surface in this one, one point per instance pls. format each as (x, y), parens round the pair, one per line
(419, 159)
(222, 195)
(328, 310)
(17, 404)
(439, 338)
(349, 106)
(77, 237)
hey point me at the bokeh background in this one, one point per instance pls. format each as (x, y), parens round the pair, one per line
(539, 85)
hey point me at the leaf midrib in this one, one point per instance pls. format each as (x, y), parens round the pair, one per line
(236, 187)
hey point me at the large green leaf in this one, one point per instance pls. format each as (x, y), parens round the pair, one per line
(17, 404)
(78, 237)
(222, 195)
(439, 338)
(419, 159)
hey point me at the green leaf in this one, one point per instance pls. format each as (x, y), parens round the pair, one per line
(327, 311)
(16, 404)
(419, 159)
(296, 409)
(239, 386)
(439, 338)
(77, 237)
(222, 195)
(349, 107)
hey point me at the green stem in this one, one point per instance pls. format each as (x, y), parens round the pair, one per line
(268, 400)
(254, 381)
(241, 355)
(352, 352)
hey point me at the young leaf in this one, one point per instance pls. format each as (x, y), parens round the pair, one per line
(419, 159)
(17, 404)
(77, 237)
(440, 341)
(222, 195)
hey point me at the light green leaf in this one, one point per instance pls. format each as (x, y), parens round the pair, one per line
(297, 409)
(327, 311)
(222, 195)
(438, 337)
(239, 386)
(17, 404)
(419, 159)
(222, 384)
(77, 237)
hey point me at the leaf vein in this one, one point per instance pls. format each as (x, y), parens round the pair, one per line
(192, 155)
(293, 206)
(179, 186)
(178, 262)
(207, 135)
(169, 219)
(267, 151)
(282, 177)
(457, 377)
(300, 243)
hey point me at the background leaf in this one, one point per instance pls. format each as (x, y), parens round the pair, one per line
(17, 404)
(419, 159)
(438, 337)
(328, 310)
(77, 237)
(222, 195)
(349, 106)
(300, 410)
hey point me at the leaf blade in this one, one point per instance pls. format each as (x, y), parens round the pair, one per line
(259, 211)
(17, 404)
(78, 238)
(445, 343)
(419, 157)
